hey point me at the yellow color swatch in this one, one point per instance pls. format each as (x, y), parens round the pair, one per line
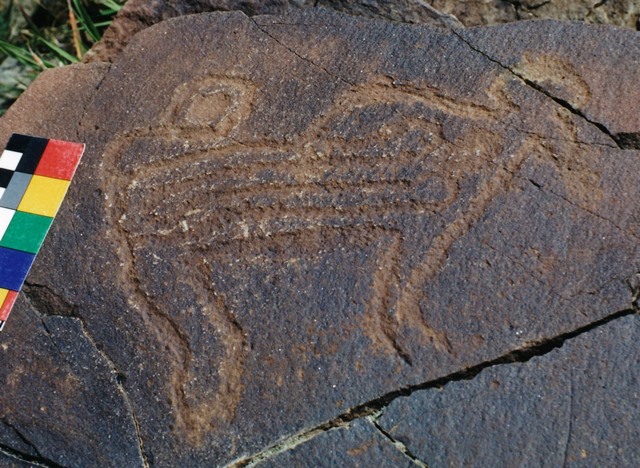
(3, 295)
(43, 196)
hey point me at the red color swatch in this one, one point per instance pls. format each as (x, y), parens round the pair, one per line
(60, 159)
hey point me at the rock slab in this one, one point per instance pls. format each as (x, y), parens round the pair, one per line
(283, 224)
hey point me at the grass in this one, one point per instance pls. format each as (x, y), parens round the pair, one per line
(40, 34)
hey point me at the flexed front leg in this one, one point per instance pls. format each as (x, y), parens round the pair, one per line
(206, 382)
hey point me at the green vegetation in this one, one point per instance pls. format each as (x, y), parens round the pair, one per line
(40, 34)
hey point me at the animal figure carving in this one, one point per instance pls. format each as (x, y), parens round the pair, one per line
(389, 164)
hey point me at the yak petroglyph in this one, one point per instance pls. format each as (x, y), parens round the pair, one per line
(190, 182)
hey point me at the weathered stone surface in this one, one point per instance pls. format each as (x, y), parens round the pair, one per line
(576, 406)
(62, 403)
(281, 223)
(561, 65)
(139, 14)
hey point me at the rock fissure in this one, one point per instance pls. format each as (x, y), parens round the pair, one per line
(47, 311)
(305, 59)
(622, 140)
(630, 140)
(574, 110)
(375, 406)
(292, 442)
(565, 140)
(582, 208)
(567, 200)
(22, 437)
(53, 342)
(123, 393)
(107, 67)
(401, 447)
(51, 307)
(519, 7)
(30, 459)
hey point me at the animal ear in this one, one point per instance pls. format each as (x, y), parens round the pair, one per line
(34, 176)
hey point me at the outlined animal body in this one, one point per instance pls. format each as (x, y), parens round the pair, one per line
(389, 164)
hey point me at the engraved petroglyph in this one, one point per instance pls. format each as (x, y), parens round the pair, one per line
(206, 110)
(215, 102)
(385, 151)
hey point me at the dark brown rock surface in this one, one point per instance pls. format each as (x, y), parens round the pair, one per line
(283, 224)
(140, 14)
(576, 405)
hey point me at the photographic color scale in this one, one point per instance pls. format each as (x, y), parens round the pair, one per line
(35, 174)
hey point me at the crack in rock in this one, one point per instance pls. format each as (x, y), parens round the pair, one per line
(315, 65)
(30, 459)
(298, 439)
(402, 448)
(85, 109)
(543, 188)
(628, 140)
(623, 141)
(22, 437)
(375, 406)
(47, 303)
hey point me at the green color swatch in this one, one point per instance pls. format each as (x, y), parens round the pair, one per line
(26, 232)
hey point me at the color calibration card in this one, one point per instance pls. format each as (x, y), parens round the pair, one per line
(35, 174)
